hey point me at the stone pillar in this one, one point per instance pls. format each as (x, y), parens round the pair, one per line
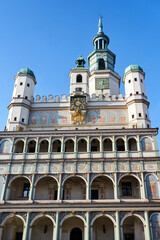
(143, 192)
(88, 226)
(56, 230)
(116, 195)
(117, 229)
(139, 146)
(25, 146)
(62, 146)
(26, 228)
(32, 188)
(156, 146)
(102, 44)
(50, 147)
(75, 147)
(147, 227)
(37, 147)
(126, 145)
(88, 187)
(5, 187)
(101, 146)
(114, 146)
(88, 147)
(12, 147)
(59, 187)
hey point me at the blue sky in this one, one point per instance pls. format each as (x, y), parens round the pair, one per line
(48, 36)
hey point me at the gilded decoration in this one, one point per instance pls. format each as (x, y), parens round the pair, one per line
(78, 117)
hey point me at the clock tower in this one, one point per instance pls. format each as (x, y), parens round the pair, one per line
(101, 64)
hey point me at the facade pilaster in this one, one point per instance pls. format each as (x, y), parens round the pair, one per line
(88, 226)
(26, 228)
(32, 188)
(50, 147)
(75, 146)
(56, 229)
(88, 187)
(147, 227)
(37, 147)
(117, 229)
(114, 145)
(139, 146)
(59, 187)
(5, 186)
(88, 146)
(143, 186)
(126, 145)
(101, 146)
(116, 195)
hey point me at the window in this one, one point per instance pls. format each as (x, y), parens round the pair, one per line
(28, 85)
(135, 79)
(101, 64)
(26, 189)
(147, 125)
(100, 44)
(79, 78)
(55, 194)
(19, 96)
(15, 119)
(26, 97)
(78, 89)
(133, 116)
(130, 94)
(126, 189)
(141, 80)
(22, 119)
(129, 81)
(146, 116)
(143, 93)
(139, 114)
(137, 92)
(21, 83)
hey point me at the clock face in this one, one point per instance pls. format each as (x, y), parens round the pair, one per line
(102, 83)
(78, 103)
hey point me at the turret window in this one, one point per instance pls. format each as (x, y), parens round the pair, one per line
(100, 44)
(22, 119)
(137, 92)
(130, 94)
(141, 80)
(28, 85)
(21, 83)
(129, 81)
(15, 119)
(19, 96)
(133, 116)
(101, 64)
(78, 89)
(135, 79)
(79, 78)
(26, 97)
(139, 114)
(146, 116)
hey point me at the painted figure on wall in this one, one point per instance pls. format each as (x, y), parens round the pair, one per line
(102, 117)
(92, 117)
(33, 119)
(152, 187)
(5, 146)
(64, 118)
(54, 118)
(43, 119)
(122, 116)
(146, 144)
(112, 117)
(156, 226)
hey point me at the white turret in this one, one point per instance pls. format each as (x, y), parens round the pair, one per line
(79, 78)
(136, 97)
(19, 107)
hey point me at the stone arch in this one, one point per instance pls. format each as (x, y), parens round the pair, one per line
(46, 188)
(95, 144)
(130, 215)
(19, 146)
(100, 175)
(18, 188)
(69, 216)
(42, 215)
(45, 177)
(101, 215)
(31, 145)
(132, 144)
(74, 188)
(9, 230)
(82, 145)
(44, 148)
(57, 147)
(70, 176)
(125, 175)
(79, 78)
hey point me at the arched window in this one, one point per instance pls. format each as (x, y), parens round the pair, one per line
(79, 78)
(95, 146)
(69, 145)
(107, 145)
(82, 145)
(31, 146)
(132, 144)
(19, 147)
(43, 146)
(120, 144)
(56, 146)
(101, 64)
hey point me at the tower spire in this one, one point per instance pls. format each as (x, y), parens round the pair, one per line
(100, 25)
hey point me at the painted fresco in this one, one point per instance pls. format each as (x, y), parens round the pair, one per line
(156, 226)
(63, 117)
(152, 187)
(5, 146)
(146, 144)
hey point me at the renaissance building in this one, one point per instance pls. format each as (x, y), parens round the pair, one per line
(84, 166)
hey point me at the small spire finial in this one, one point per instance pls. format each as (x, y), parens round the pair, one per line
(100, 25)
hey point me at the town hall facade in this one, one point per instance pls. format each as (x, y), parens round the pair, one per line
(84, 166)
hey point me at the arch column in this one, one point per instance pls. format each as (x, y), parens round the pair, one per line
(114, 146)
(117, 229)
(12, 147)
(56, 231)
(75, 147)
(116, 195)
(37, 147)
(88, 187)
(50, 147)
(5, 188)
(147, 227)
(126, 145)
(62, 146)
(87, 234)
(26, 228)
(25, 148)
(139, 146)
(88, 147)
(143, 192)
(101, 146)
(32, 188)
(59, 187)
